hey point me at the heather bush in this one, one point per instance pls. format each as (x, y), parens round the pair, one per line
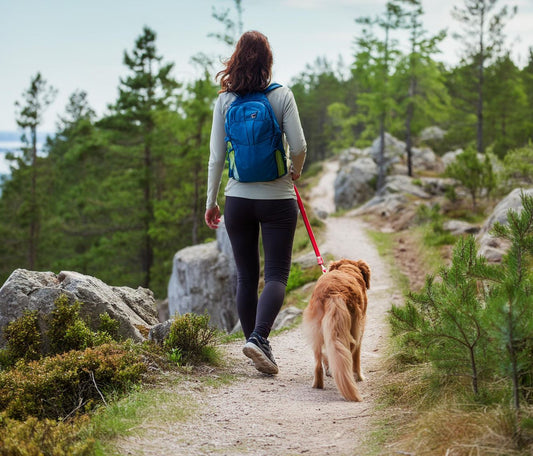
(43, 437)
(67, 331)
(23, 338)
(66, 384)
(191, 339)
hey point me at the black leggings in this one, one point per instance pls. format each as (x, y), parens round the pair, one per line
(277, 218)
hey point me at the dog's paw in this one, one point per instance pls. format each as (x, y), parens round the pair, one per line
(359, 377)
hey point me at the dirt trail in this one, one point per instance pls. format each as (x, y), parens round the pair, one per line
(282, 415)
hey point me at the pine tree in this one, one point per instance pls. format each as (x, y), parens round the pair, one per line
(148, 88)
(527, 78)
(446, 318)
(374, 61)
(482, 39)
(179, 210)
(418, 80)
(315, 89)
(506, 107)
(475, 174)
(510, 304)
(36, 100)
(232, 29)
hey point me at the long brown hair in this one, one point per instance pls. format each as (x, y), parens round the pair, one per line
(249, 69)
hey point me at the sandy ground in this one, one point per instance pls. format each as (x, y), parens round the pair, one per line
(282, 415)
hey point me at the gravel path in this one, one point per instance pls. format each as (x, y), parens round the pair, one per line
(282, 415)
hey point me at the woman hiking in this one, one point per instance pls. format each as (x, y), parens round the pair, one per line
(256, 201)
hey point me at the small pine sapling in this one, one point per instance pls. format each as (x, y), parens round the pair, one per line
(510, 303)
(445, 319)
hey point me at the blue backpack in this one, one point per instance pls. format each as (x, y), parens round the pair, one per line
(254, 143)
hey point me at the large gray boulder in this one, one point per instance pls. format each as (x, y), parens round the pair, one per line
(450, 157)
(491, 247)
(403, 185)
(204, 279)
(394, 150)
(351, 154)
(135, 309)
(423, 158)
(433, 133)
(355, 183)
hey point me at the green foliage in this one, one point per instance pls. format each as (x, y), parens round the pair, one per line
(109, 325)
(510, 304)
(191, 339)
(43, 437)
(341, 127)
(69, 383)
(506, 107)
(475, 319)
(518, 168)
(67, 331)
(23, 338)
(114, 197)
(474, 174)
(299, 277)
(444, 320)
(315, 89)
(435, 234)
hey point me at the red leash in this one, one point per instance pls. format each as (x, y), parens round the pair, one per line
(319, 259)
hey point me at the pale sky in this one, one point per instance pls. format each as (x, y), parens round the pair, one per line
(79, 44)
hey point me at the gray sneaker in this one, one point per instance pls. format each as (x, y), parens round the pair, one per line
(257, 348)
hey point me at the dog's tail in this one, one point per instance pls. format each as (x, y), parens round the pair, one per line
(338, 340)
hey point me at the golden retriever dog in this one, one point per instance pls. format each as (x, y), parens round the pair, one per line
(334, 322)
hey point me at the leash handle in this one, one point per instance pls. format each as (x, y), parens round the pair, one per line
(319, 259)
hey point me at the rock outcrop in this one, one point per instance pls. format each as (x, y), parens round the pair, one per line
(25, 290)
(204, 279)
(355, 183)
(358, 171)
(491, 247)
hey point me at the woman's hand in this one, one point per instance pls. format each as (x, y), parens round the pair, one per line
(212, 217)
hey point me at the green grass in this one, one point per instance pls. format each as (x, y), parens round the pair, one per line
(299, 277)
(384, 243)
(147, 407)
(136, 412)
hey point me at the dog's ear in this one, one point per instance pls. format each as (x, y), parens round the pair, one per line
(339, 263)
(365, 271)
(334, 265)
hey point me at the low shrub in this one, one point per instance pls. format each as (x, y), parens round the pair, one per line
(23, 338)
(43, 437)
(72, 382)
(109, 326)
(191, 339)
(67, 331)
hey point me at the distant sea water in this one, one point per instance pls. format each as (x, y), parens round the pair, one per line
(10, 142)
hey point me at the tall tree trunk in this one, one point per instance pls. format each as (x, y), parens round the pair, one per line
(34, 216)
(408, 120)
(480, 85)
(148, 254)
(381, 155)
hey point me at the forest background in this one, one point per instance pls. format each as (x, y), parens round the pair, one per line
(116, 195)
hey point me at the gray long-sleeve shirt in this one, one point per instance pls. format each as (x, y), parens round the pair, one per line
(286, 112)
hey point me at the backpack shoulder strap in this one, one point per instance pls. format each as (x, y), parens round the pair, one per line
(271, 87)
